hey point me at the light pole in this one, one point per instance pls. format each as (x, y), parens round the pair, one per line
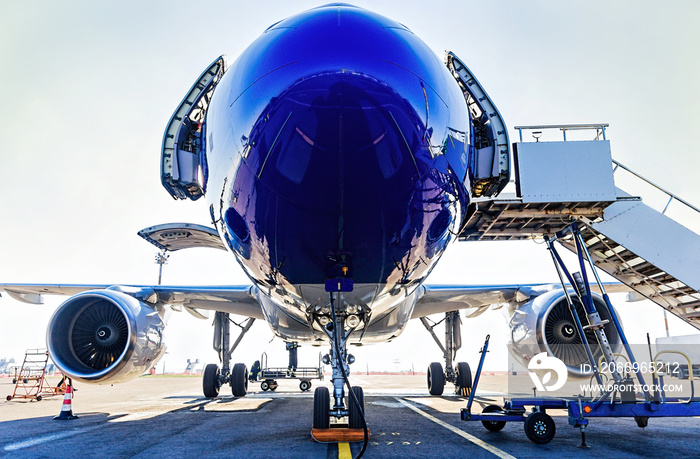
(161, 259)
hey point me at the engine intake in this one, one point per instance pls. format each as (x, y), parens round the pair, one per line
(104, 337)
(545, 324)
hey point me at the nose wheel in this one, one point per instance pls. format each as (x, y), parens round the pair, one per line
(322, 408)
(356, 409)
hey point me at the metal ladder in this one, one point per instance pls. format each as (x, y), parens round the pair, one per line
(648, 279)
(646, 249)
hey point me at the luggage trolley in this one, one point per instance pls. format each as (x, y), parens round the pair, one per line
(269, 375)
(538, 425)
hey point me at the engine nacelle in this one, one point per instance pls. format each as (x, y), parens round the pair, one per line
(545, 324)
(105, 337)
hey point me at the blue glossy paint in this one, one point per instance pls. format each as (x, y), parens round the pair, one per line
(337, 133)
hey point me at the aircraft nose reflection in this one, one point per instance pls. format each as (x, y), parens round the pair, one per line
(339, 131)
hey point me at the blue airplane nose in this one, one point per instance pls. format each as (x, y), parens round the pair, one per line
(341, 131)
(335, 124)
(338, 95)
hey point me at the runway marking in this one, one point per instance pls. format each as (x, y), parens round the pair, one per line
(478, 442)
(138, 416)
(45, 438)
(344, 451)
(239, 404)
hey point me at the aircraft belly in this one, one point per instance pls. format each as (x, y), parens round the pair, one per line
(291, 321)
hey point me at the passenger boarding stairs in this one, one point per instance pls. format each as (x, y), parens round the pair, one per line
(564, 181)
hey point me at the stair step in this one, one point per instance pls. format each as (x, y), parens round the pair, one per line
(645, 269)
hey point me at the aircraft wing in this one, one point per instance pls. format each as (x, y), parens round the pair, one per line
(476, 299)
(235, 299)
(242, 299)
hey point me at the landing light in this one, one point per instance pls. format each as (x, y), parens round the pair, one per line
(352, 321)
(323, 320)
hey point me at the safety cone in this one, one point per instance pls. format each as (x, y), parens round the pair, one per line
(66, 413)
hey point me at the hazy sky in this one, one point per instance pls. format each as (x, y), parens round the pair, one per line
(87, 88)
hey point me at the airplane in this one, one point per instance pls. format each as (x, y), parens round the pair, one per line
(338, 155)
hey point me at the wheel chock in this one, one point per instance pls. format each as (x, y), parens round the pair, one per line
(337, 435)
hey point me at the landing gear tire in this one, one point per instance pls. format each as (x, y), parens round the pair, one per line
(540, 427)
(265, 385)
(464, 379)
(273, 385)
(210, 381)
(239, 380)
(355, 417)
(38, 398)
(322, 408)
(493, 426)
(305, 385)
(436, 379)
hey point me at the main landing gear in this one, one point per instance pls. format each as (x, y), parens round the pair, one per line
(461, 375)
(215, 377)
(327, 405)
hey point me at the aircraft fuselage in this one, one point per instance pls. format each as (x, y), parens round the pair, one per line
(338, 139)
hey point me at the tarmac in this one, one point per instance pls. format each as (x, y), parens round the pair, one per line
(159, 416)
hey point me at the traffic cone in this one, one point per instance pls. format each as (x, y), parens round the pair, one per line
(66, 413)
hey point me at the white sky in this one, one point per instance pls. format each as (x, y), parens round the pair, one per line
(87, 88)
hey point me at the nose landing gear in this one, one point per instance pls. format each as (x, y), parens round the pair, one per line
(347, 410)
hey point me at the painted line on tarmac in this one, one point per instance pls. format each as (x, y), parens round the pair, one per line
(344, 451)
(478, 442)
(46, 438)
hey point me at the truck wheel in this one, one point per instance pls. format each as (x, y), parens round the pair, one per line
(540, 427)
(493, 426)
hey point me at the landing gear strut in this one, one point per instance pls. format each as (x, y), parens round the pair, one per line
(215, 376)
(327, 405)
(461, 375)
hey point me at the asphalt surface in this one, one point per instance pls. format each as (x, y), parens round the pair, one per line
(168, 416)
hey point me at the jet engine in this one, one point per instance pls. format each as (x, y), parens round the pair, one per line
(105, 337)
(545, 324)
